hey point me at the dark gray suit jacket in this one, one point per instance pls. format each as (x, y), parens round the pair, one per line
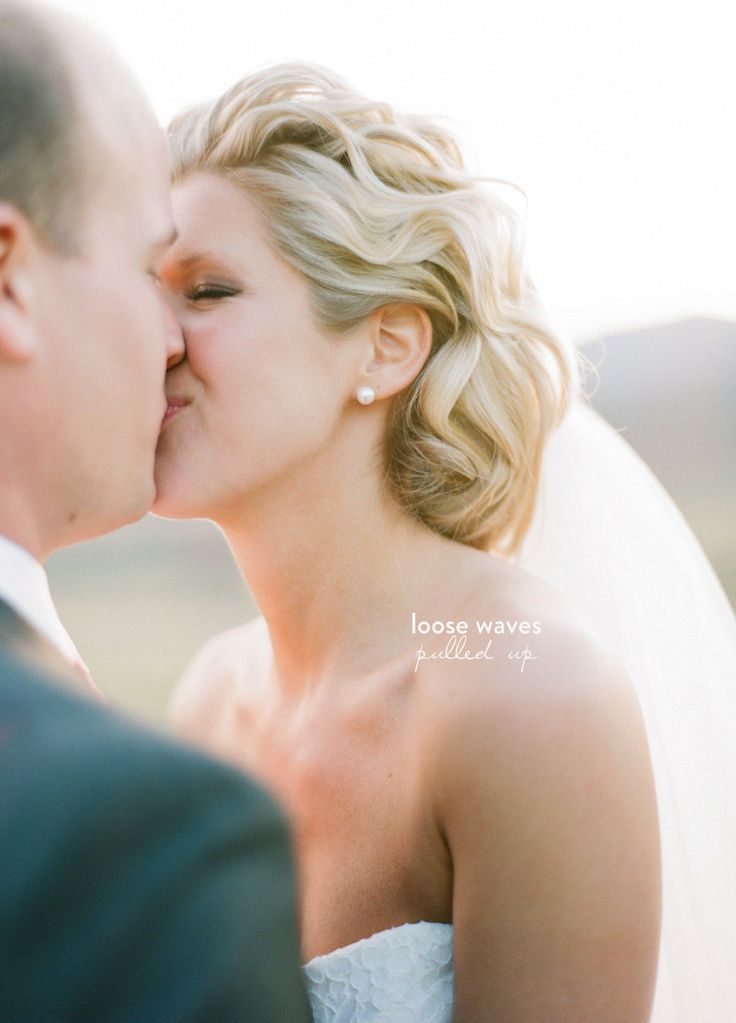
(139, 880)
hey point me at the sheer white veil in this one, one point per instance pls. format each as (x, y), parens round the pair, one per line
(607, 534)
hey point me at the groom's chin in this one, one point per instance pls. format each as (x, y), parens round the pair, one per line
(125, 508)
(139, 507)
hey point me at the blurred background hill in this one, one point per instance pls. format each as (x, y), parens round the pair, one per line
(140, 602)
(671, 393)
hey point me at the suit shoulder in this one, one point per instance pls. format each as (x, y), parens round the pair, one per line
(60, 750)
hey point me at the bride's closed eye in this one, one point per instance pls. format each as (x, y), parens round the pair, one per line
(210, 291)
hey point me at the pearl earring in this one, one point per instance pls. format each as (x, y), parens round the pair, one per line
(365, 395)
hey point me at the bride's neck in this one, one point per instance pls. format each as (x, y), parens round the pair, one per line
(336, 567)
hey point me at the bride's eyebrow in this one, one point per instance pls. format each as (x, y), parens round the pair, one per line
(202, 261)
(206, 256)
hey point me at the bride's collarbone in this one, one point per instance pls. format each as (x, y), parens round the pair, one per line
(346, 767)
(349, 769)
(336, 755)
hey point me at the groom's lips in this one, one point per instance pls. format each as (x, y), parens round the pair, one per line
(174, 405)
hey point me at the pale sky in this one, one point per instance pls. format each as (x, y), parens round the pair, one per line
(617, 118)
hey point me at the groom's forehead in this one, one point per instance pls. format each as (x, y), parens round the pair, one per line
(86, 142)
(124, 149)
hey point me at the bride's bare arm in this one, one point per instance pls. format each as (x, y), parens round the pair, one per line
(546, 797)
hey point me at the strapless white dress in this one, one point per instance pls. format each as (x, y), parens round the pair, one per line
(401, 975)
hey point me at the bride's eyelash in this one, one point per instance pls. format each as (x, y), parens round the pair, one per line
(210, 291)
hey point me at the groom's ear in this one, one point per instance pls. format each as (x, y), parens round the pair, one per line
(18, 340)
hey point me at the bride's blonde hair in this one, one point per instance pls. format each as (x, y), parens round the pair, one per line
(376, 207)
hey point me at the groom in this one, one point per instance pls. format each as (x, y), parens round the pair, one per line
(139, 881)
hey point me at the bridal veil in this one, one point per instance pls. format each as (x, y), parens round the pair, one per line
(607, 534)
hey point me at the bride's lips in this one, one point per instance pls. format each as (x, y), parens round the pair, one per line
(173, 406)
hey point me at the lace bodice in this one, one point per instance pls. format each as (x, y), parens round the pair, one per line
(401, 975)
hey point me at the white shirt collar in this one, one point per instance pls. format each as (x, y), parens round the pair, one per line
(24, 585)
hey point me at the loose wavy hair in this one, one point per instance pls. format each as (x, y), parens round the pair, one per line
(376, 207)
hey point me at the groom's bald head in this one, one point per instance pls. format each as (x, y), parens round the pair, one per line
(41, 155)
(67, 105)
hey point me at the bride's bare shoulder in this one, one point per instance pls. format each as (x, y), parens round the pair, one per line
(495, 726)
(222, 673)
(540, 778)
(500, 597)
(527, 653)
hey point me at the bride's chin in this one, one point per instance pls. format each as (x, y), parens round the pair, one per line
(163, 511)
(168, 505)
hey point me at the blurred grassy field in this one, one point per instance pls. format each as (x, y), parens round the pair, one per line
(141, 601)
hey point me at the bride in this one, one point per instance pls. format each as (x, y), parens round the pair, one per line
(363, 407)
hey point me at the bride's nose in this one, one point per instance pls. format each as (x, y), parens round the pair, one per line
(175, 347)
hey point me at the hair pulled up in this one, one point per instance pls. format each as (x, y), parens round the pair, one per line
(376, 207)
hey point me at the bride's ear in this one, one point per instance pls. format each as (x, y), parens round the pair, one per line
(401, 336)
(17, 333)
